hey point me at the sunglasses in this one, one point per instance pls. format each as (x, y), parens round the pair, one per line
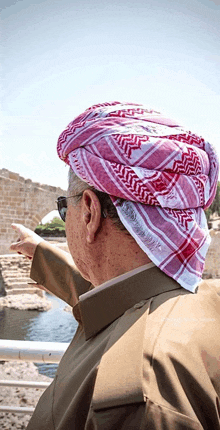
(62, 206)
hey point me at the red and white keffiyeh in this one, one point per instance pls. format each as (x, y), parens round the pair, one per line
(166, 175)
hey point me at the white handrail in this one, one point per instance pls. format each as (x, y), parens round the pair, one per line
(17, 409)
(29, 384)
(38, 352)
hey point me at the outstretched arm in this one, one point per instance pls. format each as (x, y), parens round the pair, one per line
(51, 267)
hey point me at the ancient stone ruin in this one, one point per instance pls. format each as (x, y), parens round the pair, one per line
(17, 290)
(212, 263)
(14, 274)
(24, 202)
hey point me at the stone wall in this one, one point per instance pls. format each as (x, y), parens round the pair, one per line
(212, 264)
(15, 275)
(24, 202)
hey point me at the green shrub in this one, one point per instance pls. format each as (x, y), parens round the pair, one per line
(56, 228)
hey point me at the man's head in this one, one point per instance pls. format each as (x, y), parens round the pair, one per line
(159, 178)
(76, 187)
(99, 243)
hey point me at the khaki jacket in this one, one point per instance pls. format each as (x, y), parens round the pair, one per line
(146, 354)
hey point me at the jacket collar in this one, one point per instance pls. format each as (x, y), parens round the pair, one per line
(102, 305)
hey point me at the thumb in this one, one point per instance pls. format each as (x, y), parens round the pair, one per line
(15, 246)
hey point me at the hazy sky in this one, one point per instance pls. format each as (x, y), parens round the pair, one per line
(61, 56)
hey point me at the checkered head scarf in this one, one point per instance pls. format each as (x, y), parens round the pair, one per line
(166, 175)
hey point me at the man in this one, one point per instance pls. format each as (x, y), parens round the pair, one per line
(146, 352)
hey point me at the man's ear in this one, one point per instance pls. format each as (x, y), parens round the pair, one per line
(91, 209)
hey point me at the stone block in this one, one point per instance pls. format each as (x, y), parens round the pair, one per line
(14, 176)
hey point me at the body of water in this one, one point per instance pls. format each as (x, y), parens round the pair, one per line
(55, 325)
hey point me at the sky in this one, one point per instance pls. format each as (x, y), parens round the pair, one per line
(61, 56)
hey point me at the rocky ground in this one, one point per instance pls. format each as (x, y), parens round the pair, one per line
(28, 397)
(25, 302)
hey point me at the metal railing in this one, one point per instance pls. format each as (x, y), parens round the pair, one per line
(38, 352)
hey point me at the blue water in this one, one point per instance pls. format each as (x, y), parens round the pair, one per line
(55, 325)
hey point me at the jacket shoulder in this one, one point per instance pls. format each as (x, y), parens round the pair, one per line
(182, 350)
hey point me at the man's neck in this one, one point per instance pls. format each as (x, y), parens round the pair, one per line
(116, 254)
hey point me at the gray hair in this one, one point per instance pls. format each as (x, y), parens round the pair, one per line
(77, 186)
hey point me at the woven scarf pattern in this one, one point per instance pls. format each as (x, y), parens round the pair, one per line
(165, 175)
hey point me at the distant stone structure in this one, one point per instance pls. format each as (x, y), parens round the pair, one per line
(215, 223)
(15, 276)
(24, 202)
(212, 262)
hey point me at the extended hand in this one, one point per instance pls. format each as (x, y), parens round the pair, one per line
(27, 241)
